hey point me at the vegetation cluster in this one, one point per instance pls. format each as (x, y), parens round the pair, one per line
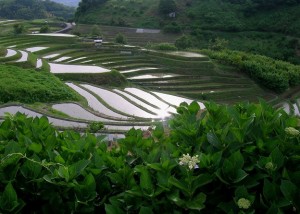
(29, 86)
(270, 28)
(274, 74)
(34, 9)
(248, 151)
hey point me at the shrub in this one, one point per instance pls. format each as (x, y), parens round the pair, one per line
(18, 28)
(248, 151)
(172, 28)
(44, 29)
(121, 39)
(95, 127)
(96, 31)
(273, 74)
(183, 42)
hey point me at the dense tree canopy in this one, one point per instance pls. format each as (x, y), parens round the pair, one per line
(31, 9)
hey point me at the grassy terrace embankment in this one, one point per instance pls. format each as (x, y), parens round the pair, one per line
(29, 86)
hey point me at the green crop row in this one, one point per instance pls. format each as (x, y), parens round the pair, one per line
(248, 151)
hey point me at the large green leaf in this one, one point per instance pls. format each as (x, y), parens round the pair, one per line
(9, 200)
(197, 203)
(181, 185)
(111, 209)
(31, 169)
(288, 189)
(213, 140)
(145, 180)
(194, 107)
(277, 157)
(145, 210)
(77, 168)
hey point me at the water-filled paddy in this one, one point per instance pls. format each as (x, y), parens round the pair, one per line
(10, 53)
(39, 63)
(138, 69)
(76, 111)
(94, 103)
(24, 57)
(185, 54)
(35, 49)
(54, 121)
(62, 58)
(77, 59)
(151, 99)
(152, 76)
(51, 56)
(175, 100)
(118, 102)
(53, 34)
(66, 68)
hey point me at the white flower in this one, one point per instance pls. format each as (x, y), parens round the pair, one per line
(190, 162)
(292, 131)
(243, 203)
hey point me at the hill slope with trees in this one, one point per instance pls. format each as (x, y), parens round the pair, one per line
(270, 28)
(34, 9)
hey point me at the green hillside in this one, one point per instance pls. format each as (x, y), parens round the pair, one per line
(34, 9)
(270, 28)
(225, 15)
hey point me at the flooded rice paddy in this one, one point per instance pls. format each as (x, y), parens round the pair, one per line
(66, 68)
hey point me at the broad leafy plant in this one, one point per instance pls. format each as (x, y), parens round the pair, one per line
(225, 159)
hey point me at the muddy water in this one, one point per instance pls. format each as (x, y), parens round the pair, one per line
(185, 54)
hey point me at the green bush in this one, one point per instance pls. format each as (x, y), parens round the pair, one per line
(172, 28)
(44, 29)
(95, 127)
(120, 38)
(273, 74)
(227, 159)
(19, 28)
(183, 42)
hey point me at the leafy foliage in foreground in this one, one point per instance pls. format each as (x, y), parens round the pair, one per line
(273, 74)
(244, 158)
(28, 86)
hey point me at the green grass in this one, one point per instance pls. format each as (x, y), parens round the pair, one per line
(113, 78)
(2, 51)
(29, 86)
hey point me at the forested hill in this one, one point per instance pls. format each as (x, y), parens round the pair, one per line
(226, 15)
(33, 9)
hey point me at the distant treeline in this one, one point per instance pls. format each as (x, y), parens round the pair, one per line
(33, 9)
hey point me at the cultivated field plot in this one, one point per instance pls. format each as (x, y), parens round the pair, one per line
(154, 82)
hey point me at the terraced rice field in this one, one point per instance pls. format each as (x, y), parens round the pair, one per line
(157, 82)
